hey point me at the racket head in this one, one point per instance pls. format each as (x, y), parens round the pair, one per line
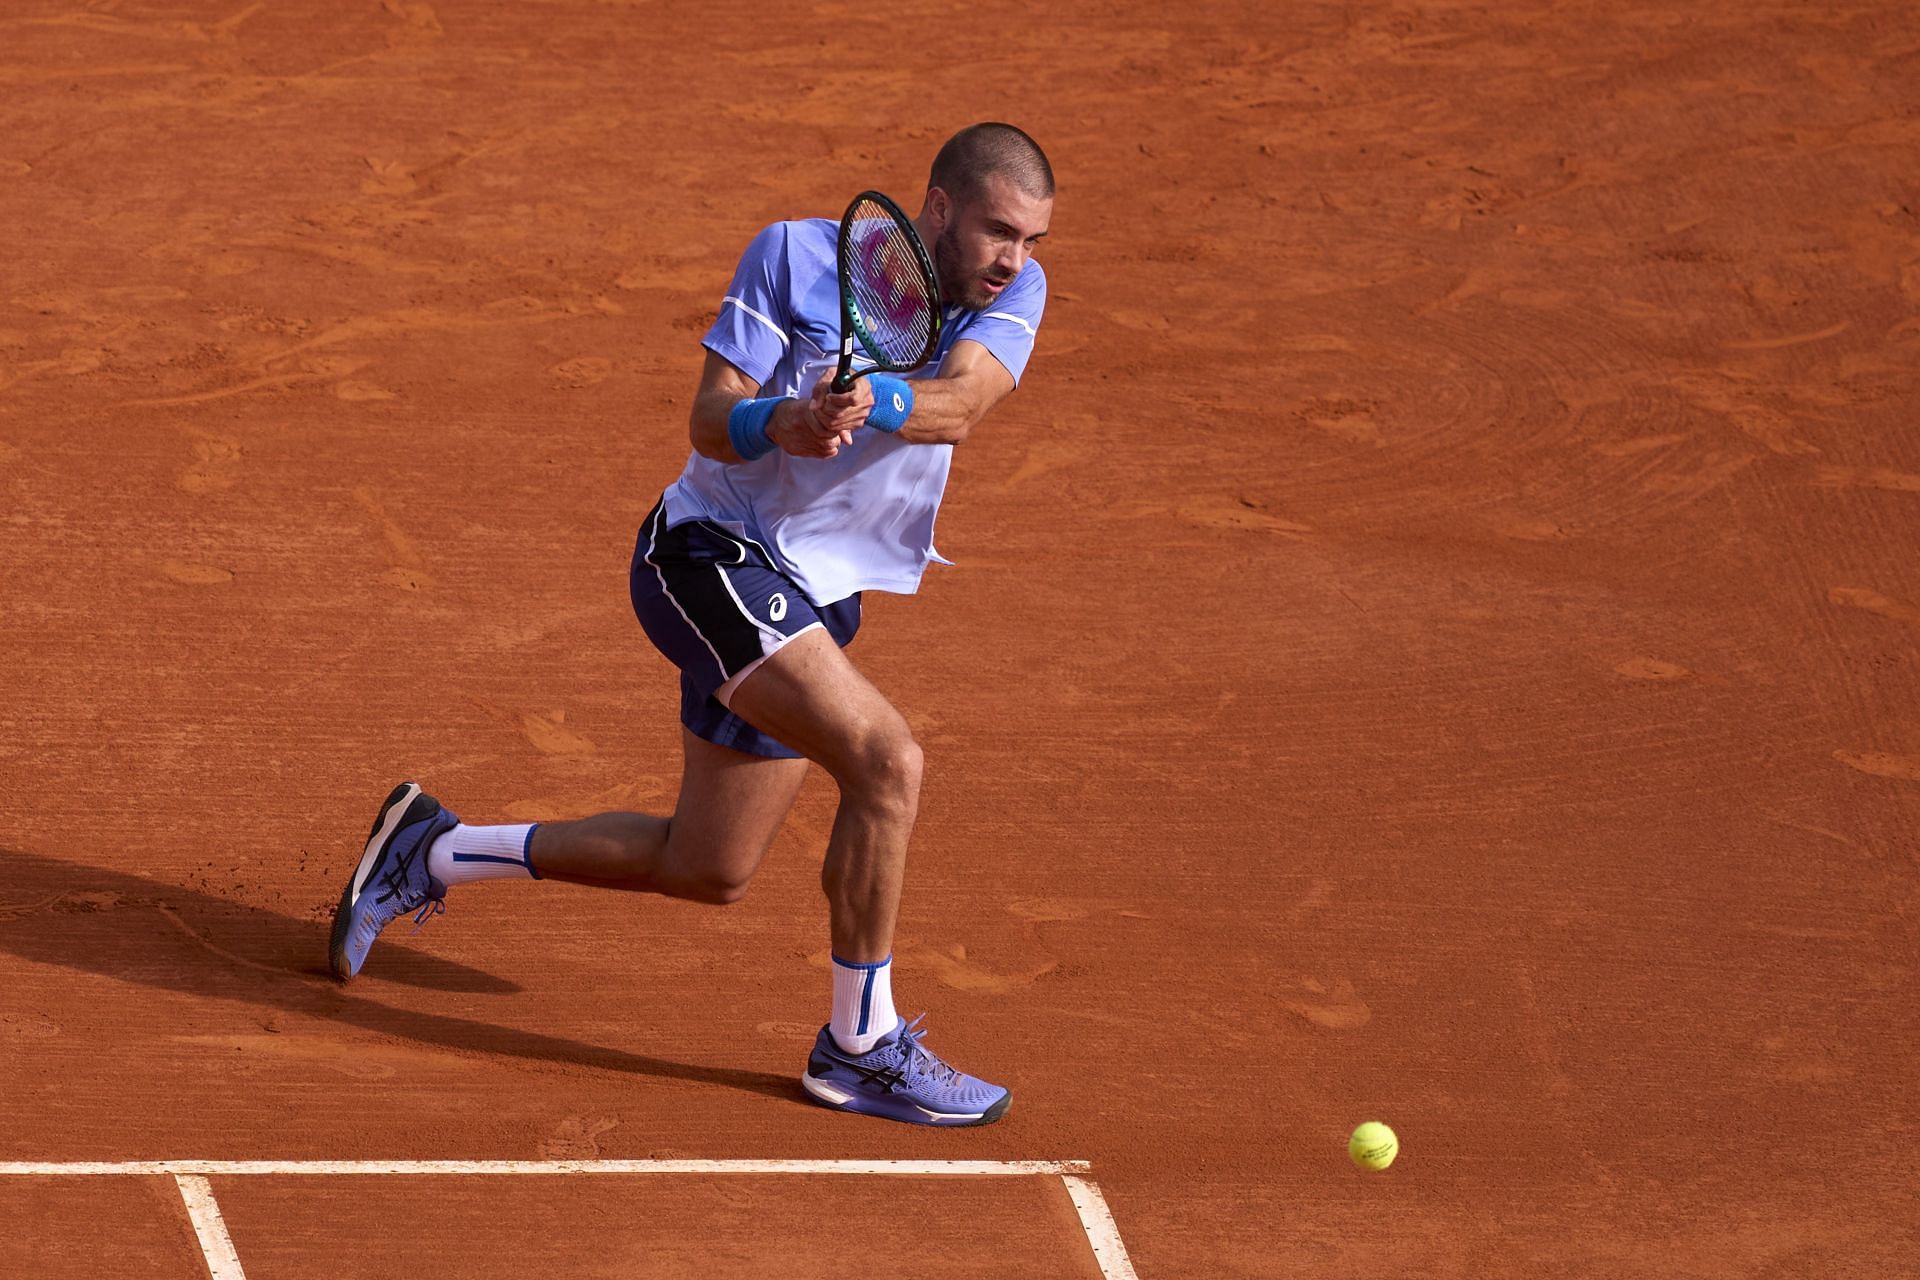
(890, 303)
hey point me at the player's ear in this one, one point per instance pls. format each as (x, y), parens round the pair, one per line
(939, 208)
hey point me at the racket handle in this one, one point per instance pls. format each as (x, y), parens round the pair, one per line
(843, 381)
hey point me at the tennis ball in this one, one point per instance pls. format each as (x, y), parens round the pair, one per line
(1373, 1145)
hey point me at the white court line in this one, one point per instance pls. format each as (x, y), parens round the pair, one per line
(215, 1244)
(348, 1168)
(1103, 1234)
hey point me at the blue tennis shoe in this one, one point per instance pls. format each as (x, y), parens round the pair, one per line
(392, 878)
(899, 1078)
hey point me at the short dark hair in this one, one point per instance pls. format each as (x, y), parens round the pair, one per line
(979, 150)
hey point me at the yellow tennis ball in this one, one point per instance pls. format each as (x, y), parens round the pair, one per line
(1373, 1145)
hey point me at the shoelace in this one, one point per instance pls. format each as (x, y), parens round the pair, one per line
(919, 1059)
(433, 907)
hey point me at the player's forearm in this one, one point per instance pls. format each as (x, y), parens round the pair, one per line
(944, 411)
(709, 422)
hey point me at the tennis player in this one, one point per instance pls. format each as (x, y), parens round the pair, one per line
(748, 576)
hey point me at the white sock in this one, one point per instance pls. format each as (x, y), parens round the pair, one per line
(863, 1013)
(482, 853)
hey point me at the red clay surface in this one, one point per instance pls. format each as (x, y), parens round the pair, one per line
(105, 1227)
(1434, 639)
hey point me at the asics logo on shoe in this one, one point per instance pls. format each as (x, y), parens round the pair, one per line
(886, 1077)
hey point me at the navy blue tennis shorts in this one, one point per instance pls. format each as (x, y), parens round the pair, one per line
(713, 603)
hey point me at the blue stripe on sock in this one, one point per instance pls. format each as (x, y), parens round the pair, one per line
(488, 857)
(526, 851)
(866, 989)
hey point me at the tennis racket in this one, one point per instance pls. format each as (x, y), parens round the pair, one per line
(889, 294)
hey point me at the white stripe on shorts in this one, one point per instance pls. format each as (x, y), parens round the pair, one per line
(724, 694)
(653, 535)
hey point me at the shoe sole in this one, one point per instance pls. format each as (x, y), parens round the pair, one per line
(385, 824)
(829, 1094)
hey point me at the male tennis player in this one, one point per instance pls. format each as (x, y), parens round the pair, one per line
(748, 575)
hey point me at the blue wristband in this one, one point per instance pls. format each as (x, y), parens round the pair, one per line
(892, 402)
(747, 427)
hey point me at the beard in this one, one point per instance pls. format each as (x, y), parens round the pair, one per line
(957, 286)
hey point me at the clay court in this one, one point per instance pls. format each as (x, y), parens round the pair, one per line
(1435, 638)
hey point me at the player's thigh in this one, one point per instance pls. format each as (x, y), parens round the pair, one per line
(731, 807)
(811, 697)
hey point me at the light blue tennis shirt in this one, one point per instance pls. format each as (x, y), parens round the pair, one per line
(863, 520)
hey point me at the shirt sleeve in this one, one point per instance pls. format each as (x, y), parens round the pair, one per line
(750, 333)
(1010, 323)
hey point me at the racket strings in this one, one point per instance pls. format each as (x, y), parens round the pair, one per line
(897, 302)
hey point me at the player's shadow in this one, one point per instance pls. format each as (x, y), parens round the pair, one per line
(164, 935)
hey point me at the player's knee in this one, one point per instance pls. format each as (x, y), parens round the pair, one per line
(709, 870)
(727, 891)
(888, 770)
(720, 886)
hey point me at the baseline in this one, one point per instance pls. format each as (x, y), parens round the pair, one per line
(223, 1263)
(517, 1168)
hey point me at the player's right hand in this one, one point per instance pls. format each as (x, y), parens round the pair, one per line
(798, 428)
(843, 411)
(824, 423)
